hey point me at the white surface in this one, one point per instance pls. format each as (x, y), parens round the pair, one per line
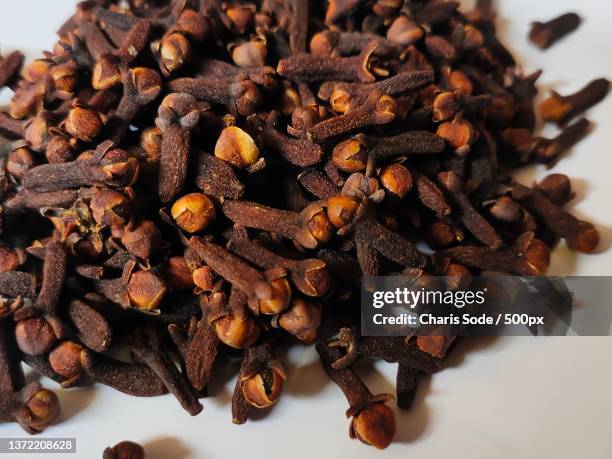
(504, 398)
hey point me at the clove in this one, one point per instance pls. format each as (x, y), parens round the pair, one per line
(177, 115)
(373, 422)
(309, 228)
(562, 109)
(376, 110)
(545, 34)
(580, 236)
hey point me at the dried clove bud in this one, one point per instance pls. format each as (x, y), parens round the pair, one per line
(236, 147)
(193, 212)
(562, 109)
(580, 236)
(124, 450)
(177, 115)
(545, 34)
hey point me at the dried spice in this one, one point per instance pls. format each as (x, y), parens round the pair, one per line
(545, 34)
(124, 450)
(192, 181)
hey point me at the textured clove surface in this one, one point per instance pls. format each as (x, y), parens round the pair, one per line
(188, 183)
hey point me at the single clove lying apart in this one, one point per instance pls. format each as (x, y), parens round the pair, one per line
(546, 34)
(9, 66)
(124, 450)
(562, 109)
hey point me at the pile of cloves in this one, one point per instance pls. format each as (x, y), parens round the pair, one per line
(198, 181)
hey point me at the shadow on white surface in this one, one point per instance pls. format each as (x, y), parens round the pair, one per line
(465, 347)
(306, 380)
(74, 402)
(412, 424)
(166, 447)
(221, 385)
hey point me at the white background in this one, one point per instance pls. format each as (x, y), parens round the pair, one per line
(499, 398)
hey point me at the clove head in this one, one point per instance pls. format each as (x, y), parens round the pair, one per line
(586, 238)
(178, 275)
(44, 408)
(143, 240)
(19, 161)
(147, 83)
(557, 187)
(106, 74)
(178, 108)
(460, 134)
(125, 450)
(203, 278)
(120, 168)
(264, 388)
(302, 320)
(396, 179)
(246, 97)
(174, 50)
(506, 210)
(445, 106)
(535, 253)
(60, 149)
(65, 359)
(83, 123)
(281, 297)
(250, 54)
(318, 229)
(374, 426)
(342, 209)
(110, 208)
(236, 147)
(193, 24)
(193, 212)
(304, 118)
(237, 331)
(350, 156)
(35, 335)
(146, 290)
(404, 32)
(10, 258)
